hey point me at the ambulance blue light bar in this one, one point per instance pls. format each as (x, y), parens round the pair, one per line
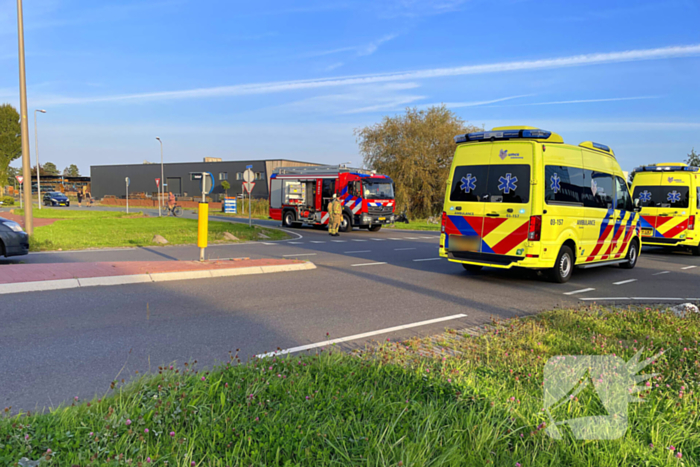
(503, 135)
(602, 147)
(666, 168)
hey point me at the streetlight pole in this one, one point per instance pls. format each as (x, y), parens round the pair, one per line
(36, 151)
(160, 188)
(26, 165)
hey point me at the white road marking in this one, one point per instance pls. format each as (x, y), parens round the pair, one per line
(395, 238)
(579, 291)
(428, 259)
(265, 243)
(360, 336)
(379, 239)
(689, 267)
(366, 264)
(430, 238)
(302, 254)
(358, 251)
(318, 241)
(661, 299)
(358, 240)
(403, 249)
(410, 238)
(625, 282)
(605, 298)
(339, 241)
(662, 272)
(296, 243)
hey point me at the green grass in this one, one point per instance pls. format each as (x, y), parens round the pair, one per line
(401, 404)
(103, 229)
(417, 224)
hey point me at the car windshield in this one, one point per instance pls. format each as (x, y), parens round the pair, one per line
(378, 189)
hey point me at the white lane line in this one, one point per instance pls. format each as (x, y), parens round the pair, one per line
(662, 272)
(296, 243)
(689, 267)
(403, 249)
(395, 238)
(574, 292)
(604, 298)
(661, 299)
(358, 251)
(430, 238)
(265, 243)
(358, 240)
(318, 241)
(379, 239)
(339, 241)
(428, 259)
(410, 238)
(366, 264)
(625, 282)
(302, 254)
(360, 336)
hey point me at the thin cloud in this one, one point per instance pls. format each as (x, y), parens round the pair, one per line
(360, 50)
(333, 66)
(502, 67)
(587, 101)
(454, 105)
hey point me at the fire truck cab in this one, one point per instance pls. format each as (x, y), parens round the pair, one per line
(300, 195)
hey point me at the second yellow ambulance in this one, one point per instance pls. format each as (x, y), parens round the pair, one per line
(519, 196)
(669, 195)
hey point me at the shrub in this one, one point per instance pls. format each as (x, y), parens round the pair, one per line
(7, 200)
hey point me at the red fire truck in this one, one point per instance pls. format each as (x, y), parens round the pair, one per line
(300, 195)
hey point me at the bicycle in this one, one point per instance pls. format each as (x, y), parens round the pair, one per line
(175, 211)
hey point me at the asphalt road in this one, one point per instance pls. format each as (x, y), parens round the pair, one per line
(55, 345)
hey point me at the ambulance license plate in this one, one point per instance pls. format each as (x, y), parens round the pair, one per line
(647, 232)
(381, 218)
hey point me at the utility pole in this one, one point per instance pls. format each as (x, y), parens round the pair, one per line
(26, 165)
(36, 151)
(162, 180)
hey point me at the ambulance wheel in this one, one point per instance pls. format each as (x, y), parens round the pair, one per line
(632, 255)
(345, 224)
(289, 219)
(695, 251)
(472, 267)
(564, 266)
(374, 228)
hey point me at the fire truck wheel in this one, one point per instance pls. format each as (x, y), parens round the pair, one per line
(375, 228)
(346, 224)
(289, 219)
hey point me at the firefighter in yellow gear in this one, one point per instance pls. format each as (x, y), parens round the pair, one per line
(335, 210)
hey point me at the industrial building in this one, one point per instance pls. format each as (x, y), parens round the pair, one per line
(110, 180)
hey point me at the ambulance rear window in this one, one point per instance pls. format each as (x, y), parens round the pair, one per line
(491, 184)
(662, 196)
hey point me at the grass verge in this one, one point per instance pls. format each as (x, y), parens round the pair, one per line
(455, 400)
(85, 213)
(106, 229)
(417, 224)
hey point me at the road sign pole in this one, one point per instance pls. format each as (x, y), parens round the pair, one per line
(127, 195)
(24, 124)
(250, 213)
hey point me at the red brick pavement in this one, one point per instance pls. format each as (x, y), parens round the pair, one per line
(15, 273)
(38, 221)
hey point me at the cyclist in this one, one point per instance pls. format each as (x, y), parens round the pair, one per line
(171, 201)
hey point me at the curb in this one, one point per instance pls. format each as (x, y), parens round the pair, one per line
(39, 286)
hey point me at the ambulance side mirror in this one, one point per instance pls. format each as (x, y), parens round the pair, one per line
(637, 207)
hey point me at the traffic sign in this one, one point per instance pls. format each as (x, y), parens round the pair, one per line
(158, 182)
(248, 186)
(128, 182)
(248, 175)
(19, 178)
(248, 166)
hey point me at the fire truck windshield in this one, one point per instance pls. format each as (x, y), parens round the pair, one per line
(378, 189)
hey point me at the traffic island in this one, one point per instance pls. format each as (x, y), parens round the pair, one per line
(17, 278)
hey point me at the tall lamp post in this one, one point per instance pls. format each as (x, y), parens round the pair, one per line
(160, 189)
(26, 165)
(36, 151)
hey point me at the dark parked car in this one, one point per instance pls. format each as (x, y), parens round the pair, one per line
(13, 240)
(56, 198)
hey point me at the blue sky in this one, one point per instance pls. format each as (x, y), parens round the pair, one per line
(293, 79)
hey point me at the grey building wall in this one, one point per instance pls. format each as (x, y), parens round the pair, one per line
(110, 179)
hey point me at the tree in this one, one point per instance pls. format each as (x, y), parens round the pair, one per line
(71, 171)
(693, 158)
(415, 150)
(10, 139)
(226, 186)
(49, 168)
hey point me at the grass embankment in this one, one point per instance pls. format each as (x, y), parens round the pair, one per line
(417, 224)
(404, 404)
(103, 229)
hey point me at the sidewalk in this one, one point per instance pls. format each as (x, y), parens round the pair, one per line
(15, 278)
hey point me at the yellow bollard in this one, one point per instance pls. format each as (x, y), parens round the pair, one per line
(202, 229)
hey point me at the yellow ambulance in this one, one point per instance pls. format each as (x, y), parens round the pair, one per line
(669, 195)
(520, 197)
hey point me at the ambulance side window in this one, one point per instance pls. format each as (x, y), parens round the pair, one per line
(597, 190)
(623, 200)
(563, 185)
(697, 197)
